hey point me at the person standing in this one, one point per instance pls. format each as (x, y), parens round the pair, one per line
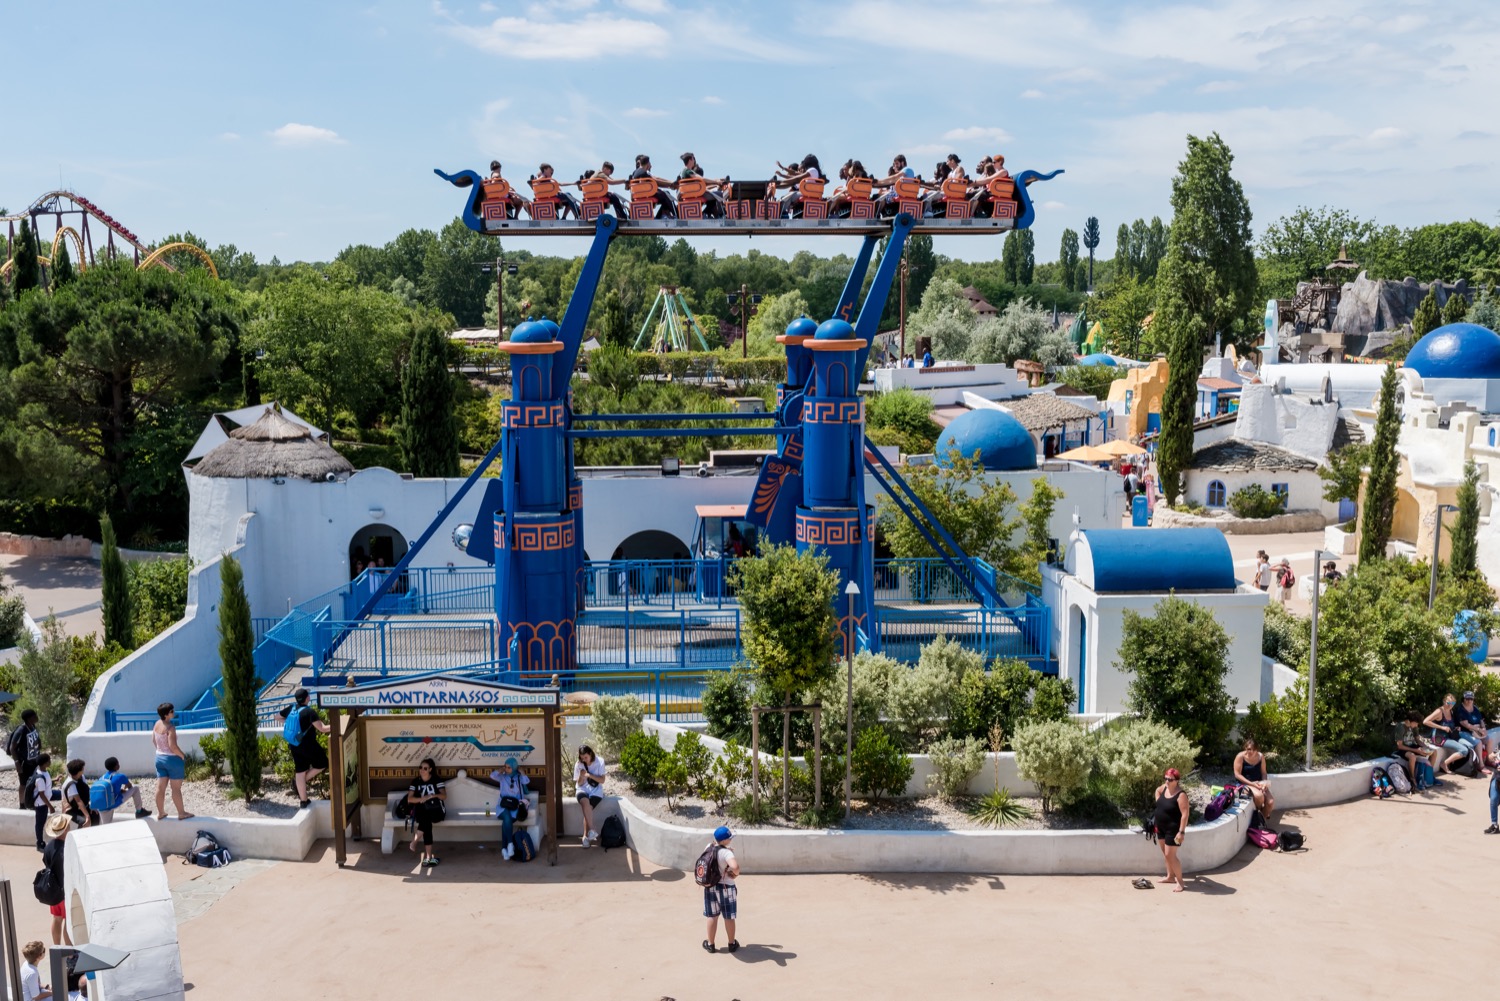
(1171, 820)
(38, 797)
(24, 748)
(721, 900)
(171, 763)
(300, 730)
(1285, 580)
(1262, 570)
(52, 857)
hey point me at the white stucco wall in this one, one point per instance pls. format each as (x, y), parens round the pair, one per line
(1300, 424)
(1304, 487)
(1355, 386)
(945, 384)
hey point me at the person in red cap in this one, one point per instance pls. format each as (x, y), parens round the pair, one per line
(1171, 820)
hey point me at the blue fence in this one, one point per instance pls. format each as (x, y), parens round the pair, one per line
(659, 638)
(671, 695)
(386, 647)
(1021, 633)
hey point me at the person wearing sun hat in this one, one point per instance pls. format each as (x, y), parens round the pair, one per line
(52, 857)
(721, 899)
(1171, 820)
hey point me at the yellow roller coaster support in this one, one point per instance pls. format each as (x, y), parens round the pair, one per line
(155, 257)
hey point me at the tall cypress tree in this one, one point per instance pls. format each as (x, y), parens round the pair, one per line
(428, 432)
(1067, 260)
(1123, 252)
(1428, 316)
(1455, 309)
(1379, 506)
(119, 626)
(1174, 446)
(237, 662)
(62, 266)
(26, 272)
(1463, 554)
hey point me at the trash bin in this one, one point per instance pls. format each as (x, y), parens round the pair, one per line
(1140, 512)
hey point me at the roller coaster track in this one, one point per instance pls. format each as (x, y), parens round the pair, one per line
(51, 203)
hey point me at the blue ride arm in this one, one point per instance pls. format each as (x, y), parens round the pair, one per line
(570, 331)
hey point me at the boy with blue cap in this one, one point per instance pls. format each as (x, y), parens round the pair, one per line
(719, 900)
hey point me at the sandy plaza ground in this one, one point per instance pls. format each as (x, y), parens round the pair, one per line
(1377, 901)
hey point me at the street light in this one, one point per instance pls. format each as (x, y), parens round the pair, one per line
(852, 591)
(744, 304)
(1312, 654)
(500, 269)
(1437, 538)
(89, 959)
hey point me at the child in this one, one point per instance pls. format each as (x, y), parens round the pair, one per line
(32, 988)
(76, 796)
(38, 796)
(108, 794)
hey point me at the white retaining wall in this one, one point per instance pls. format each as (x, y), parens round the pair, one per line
(245, 837)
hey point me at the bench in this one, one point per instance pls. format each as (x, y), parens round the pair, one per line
(471, 808)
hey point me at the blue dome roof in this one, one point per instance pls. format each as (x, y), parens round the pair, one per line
(1096, 359)
(1456, 351)
(1001, 441)
(1124, 560)
(533, 332)
(801, 327)
(834, 330)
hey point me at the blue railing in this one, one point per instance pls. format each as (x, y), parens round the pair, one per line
(659, 637)
(671, 695)
(1020, 633)
(386, 647)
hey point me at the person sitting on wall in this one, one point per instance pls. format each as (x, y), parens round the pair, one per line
(1473, 730)
(1411, 748)
(1444, 734)
(713, 203)
(665, 207)
(514, 203)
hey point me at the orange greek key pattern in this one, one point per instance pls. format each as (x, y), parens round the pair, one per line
(793, 448)
(575, 497)
(827, 530)
(833, 411)
(544, 537)
(533, 415)
(499, 537)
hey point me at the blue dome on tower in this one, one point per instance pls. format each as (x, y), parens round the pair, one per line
(834, 330)
(1003, 444)
(1456, 351)
(801, 327)
(533, 332)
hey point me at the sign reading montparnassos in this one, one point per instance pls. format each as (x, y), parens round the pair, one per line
(438, 692)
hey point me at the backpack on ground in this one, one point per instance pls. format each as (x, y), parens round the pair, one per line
(522, 847)
(1396, 772)
(207, 852)
(706, 869)
(1380, 783)
(1469, 767)
(291, 730)
(1216, 806)
(1262, 838)
(1290, 841)
(612, 834)
(1426, 777)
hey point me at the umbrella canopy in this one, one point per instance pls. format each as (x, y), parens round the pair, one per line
(1085, 453)
(1121, 447)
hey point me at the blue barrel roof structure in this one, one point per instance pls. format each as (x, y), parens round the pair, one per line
(1131, 561)
(1456, 351)
(1002, 442)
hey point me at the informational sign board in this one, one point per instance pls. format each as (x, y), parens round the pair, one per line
(478, 743)
(351, 762)
(438, 691)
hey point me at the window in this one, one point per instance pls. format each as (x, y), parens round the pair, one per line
(1216, 493)
(1280, 490)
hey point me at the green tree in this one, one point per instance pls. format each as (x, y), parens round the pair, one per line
(921, 268)
(776, 312)
(158, 594)
(945, 317)
(1179, 657)
(1124, 267)
(976, 511)
(1429, 316)
(1343, 472)
(1067, 260)
(62, 266)
(613, 328)
(1122, 306)
(1174, 445)
(1156, 248)
(12, 616)
(1463, 554)
(1036, 516)
(428, 431)
(25, 269)
(1486, 310)
(237, 664)
(46, 676)
(614, 369)
(1379, 504)
(905, 410)
(119, 621)
(451, 281)
(1022, 330)
(1091, 242)
(1455, 309)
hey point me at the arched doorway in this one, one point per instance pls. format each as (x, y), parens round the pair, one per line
(653, 545)
(1406, 521)
(1078, 646)
(377, 544)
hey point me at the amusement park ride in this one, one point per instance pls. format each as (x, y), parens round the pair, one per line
(75, 218)
(812, 492)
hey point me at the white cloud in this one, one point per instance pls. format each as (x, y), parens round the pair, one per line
(1219, 86)
(975, 132)
(567, 138)
(1031, 94)
(295, 134)
(229, 137)
(590, 37)
(645, 113)
(645, 6)
(1054, 206)
(711, 99)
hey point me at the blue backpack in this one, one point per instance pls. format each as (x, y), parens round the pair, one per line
(524, 848)
(291, 731)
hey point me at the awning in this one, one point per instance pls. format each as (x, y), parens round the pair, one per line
(736, 511)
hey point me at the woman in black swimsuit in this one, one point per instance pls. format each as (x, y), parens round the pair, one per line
(1250, 770)
(1171, 820)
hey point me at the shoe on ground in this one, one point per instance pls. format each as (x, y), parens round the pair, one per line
(142, 813)
(506, 852)
(41, 847)
(708, 946)
(585, 841)
(433, 861)
(1492, 829)
(594, 836)
(304, 804)
(734, 945)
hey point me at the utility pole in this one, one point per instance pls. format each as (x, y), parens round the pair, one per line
(501, 268)
(744, 304)
(904, 271)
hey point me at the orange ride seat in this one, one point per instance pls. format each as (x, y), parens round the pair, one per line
(861, 202)
(908, 196)
(1002, 189)
(813, 205)
(595, 191)
(956, 198)
(643, 198)
(544, 191)
(496, 198)
(691, 193)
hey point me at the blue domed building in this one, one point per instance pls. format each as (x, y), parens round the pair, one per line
(1457, 363)
(1002, 442)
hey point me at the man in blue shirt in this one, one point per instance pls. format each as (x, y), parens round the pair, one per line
(110, 791)
(926, 359)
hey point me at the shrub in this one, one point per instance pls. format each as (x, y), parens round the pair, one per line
(726, 705)
(881, 767)
(1179, 657)
(1285, 637)
(640, 758)
(1255, 501)
(158, 594)
(732, 767)
(1278, 725)
(954, 762)
(614, 719)
(88, 661)
(903, 410)
(696, 759)
(1053, 699)
(12, 616)
(46, 674)
(922, 699)
(215, 753)
(986, 699)
(1055, 757)
(999, 809)
(672, 776)
(875, 675)
(1136, 755)
(745, 810)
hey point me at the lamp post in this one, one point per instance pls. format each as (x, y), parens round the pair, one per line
(1437, 539)
(88, 959)
(744, 304)
(903, 272)
(501, 269)
(852, 592)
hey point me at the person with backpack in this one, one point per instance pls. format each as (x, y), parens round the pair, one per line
(75, 796)
(52, 860)
(300, 731)
(716, 871)
(171, 763)
(36, 795)
(1285, 580)
(1250, 771)
(108, 794)
(24, 747)
(1170, 818)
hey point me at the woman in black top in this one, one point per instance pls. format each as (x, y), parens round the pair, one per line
(1171, 820)
(426, 797)
(1250, 771)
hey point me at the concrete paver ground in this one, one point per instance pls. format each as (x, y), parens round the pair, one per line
(69, 588)
(1368, 906)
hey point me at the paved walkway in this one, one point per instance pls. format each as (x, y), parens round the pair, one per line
(69, 588)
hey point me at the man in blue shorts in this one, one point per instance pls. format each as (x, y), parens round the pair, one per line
(719, 901)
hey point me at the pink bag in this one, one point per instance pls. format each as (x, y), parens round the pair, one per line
(1262, 838)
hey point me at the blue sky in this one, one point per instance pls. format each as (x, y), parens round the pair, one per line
(295, 129)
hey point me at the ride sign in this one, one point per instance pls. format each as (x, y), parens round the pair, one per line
(439, 691)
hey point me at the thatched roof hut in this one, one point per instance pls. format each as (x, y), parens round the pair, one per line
(273, 446)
